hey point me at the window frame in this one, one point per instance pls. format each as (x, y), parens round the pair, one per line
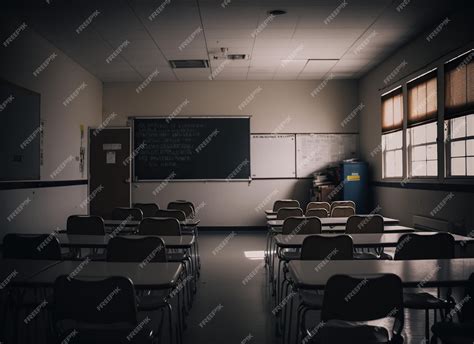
(447, 150)
(409, 148)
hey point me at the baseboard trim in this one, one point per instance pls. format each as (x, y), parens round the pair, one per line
(36, 184)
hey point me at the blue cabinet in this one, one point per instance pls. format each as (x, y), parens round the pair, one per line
(356, 185)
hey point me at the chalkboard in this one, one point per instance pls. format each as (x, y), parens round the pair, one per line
(20, 133)
(273, 155)
(315, 152)
(191, 148)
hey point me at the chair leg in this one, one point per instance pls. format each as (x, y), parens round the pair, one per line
(170, 321)
(427, 325)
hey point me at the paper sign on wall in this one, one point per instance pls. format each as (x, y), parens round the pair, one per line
(110, 157)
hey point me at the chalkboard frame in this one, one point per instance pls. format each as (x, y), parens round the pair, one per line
(136, 180)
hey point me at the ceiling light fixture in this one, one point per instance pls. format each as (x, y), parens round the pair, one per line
(277, 12)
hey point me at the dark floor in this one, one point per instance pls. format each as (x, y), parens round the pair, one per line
(240, 313)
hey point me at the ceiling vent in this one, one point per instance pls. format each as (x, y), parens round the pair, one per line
(189, 64)
(236, 56)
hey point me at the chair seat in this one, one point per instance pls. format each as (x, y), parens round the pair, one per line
(107, 335)
(290, 255)
(424, 301)
(148, 303)
(339, 331)
(311, 299)
(454, 333)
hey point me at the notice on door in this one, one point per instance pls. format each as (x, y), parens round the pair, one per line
(110, 157)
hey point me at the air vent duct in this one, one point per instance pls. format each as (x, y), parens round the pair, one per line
(189, 64)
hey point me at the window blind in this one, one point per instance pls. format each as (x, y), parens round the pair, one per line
(459, 86)
(423, 99)
(392, 111)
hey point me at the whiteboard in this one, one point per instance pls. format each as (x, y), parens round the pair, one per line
(272, 155)
(315, 152)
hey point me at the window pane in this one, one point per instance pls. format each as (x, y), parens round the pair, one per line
(458, 127)
(418, 168)
(432, 168)
(419, 153)
(419, 135)
(470, 166)
(458, 148)
(431, 132)
(398, 163)
(431, 152)
(470, 125)
(389, 164)
(470, 147)
(458, 166)
(393, 140)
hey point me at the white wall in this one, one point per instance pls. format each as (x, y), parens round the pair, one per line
(49, 207)
(234, 204)
(418, 54)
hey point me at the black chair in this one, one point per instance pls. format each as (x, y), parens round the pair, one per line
(295, 225)
(123, 213)
(458, 332)
(162, 226)
(184, 206)
(172, 213)
(357, 309)
(148, 209)
(433, 246)
(159, 226)
(285, 203)
(318, 247)
(85, 225)
(31, 246)
(367, 224)
(78, 317)
(318, 212)
(143, 250)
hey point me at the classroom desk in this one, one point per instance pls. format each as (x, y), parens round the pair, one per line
(442, 272)
(123, 223)
(18, 271)
(342, 229)
(332, 221)
(359, 240)
(270, 212)
(150, 276)
(101, 241)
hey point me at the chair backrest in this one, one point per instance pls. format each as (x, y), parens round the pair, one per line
(85, 225)
(318, 247)
(138, 250)
(343, 211)
(283, 213)
(159, 226)
(301, 225)
(31, 246)
(171, 213)
(430, 246)
(285, 203)
(184, 206)
(107, 301)
(148, 209)
(342, 204)
(362, 224)
(319, 205)
(351, 298)
(318, 212)
(122, 213)
(467, 310)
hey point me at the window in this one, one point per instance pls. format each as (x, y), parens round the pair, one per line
(392, 154)
(459, 133)
(392, 135)
(422, 150)
(459, 116)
